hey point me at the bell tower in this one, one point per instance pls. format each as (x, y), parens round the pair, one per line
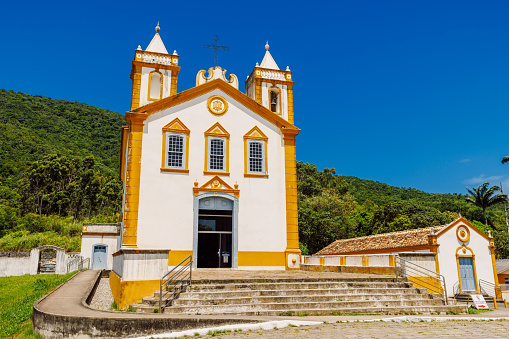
(154, 73)
(271, 87)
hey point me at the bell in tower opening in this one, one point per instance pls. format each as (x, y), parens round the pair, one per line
(274, 100)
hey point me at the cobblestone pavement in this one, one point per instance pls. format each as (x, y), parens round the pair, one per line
(215, 273)
(385, 330)
(103, 298)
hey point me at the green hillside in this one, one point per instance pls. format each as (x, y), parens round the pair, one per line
(34, 126)
(59, 168)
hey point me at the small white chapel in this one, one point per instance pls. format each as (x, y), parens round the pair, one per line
(208, 172)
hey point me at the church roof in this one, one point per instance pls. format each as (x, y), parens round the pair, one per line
(268, 60)
(502, 265)
(156, 45)
(197, 91)
(380, 242)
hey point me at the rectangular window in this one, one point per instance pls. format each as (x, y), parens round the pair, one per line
(256, 157)
(216, 154)
(175, 151)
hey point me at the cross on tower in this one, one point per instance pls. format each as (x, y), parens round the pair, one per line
(216, 48)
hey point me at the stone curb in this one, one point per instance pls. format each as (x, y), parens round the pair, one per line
(86, 322)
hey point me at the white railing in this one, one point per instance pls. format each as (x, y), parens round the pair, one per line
(273, 75)
(156, 59)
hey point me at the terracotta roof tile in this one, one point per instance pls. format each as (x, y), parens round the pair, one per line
(382, 241)
(502, 265)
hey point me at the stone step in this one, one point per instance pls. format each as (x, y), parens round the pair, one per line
(184, 300)
(289, 311)
(295, 285)
(282, 292)
(295, 280)
(301, 305)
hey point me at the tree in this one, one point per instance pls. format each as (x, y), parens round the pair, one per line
(484, 197)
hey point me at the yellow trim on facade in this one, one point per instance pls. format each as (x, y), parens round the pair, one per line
(255, 134)
(176, 257)
(493, 263)
(217, 131)
(292, 224)
(175, 126)
(464, 248)
(286, 127)
(253, 258)
(215, 109)
(463, 233)
(132, 181)
(149, 98)
(135, 94)
(464, 221)
(130, 292)
(218, 185)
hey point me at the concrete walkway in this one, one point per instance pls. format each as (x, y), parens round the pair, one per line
(65, 313)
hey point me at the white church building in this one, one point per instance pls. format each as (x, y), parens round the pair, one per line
(208, 172)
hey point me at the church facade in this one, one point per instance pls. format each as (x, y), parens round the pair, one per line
(208, 172)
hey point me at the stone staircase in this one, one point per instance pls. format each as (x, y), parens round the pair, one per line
(310, 296)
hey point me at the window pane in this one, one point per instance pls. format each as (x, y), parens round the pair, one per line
(175, 150)
(256, 157)
(216, 154)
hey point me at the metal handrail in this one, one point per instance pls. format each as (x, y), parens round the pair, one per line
(175, 282)
(79, 263)
(456, 288)
(405, 266)
(490, 286)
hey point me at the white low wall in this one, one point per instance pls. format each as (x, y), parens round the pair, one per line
(378, 260)
(135, 264)
(14, 266)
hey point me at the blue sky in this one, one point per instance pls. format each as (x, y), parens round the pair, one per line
(410, 93)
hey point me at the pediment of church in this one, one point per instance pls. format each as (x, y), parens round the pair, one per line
(216, 184)
(176, 126)
(144, 112)
(217, 130)
(256, 134)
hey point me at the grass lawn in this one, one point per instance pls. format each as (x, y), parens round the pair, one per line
(17, 298)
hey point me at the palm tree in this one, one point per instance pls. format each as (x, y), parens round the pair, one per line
(483, 196)
(505, 159)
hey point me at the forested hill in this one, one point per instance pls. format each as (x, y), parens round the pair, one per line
(32, 127)
(59, 168)
(382, 194)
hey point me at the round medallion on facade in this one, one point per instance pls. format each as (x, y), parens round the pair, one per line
(175, 61)
(463, 233)
(217, 105)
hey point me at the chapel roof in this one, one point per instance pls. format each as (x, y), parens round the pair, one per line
(205, 88)
(268, 60)
(393, 240)
(157, 45)
(502, 265)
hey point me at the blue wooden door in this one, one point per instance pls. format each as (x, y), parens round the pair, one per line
(99, 257)
(467, 274)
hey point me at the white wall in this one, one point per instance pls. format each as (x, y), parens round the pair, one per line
(449, 243)
(88, 242)
(14, 266)
(165, 216)
(145, 72)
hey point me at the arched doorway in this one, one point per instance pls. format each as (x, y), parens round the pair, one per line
(215, 231)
